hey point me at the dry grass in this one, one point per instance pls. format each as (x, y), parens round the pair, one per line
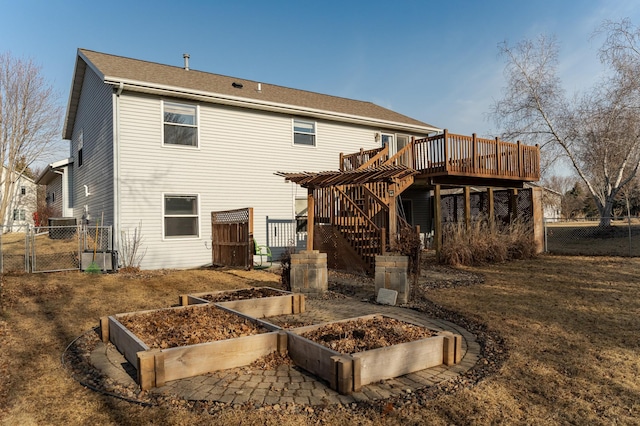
(486, 242)
(570, 323)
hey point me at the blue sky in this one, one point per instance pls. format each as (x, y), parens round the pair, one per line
(436, 61)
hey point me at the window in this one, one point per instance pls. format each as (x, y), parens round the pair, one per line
(181, 216)
(80, 146)
(180, 124)
(304, 132)
(23, 190)
(301, 214)
(19, 214)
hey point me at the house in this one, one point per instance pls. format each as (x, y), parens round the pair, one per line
(22, 203)
(57, 179)
(159, 147)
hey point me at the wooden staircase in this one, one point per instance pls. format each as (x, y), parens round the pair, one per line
(363, 213)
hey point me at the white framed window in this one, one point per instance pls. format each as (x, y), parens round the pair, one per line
(180, 124)
(19, 214)
(304, 132)
(23, 190)
(181, 216)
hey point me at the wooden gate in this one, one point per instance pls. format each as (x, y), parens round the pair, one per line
(232, 238)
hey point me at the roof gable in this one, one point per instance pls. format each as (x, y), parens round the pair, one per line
(146, 76)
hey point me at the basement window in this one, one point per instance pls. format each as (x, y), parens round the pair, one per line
(181, 217)
(180, 124)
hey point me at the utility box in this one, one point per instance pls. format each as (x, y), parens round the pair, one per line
(62, 228)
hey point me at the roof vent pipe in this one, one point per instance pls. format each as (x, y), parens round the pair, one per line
(186, 61)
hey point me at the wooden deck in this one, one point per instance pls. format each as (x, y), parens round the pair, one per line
(450, 155)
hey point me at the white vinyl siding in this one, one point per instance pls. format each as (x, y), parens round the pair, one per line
(93, 131)
(239, 152)
(54, 195)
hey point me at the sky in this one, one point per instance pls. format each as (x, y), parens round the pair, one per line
(435, 61)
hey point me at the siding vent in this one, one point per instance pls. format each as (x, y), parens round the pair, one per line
(237, 85)
(186, 61)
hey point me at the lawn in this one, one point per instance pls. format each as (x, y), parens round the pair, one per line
(570, 326)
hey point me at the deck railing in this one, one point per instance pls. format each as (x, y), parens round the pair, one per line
(363, 159)
(452, 154)
(448, 153)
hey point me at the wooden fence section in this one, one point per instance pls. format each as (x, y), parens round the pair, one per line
(232, 238)
(457, 155)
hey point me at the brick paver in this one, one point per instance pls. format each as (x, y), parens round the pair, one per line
(287, 384)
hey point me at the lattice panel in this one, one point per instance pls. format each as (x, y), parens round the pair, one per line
(231, 216)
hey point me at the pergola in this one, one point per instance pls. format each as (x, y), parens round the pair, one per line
(391, 174)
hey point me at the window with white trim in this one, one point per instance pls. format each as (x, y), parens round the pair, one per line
(181, 216)
(180, 124)
(19, 214)
(304, 132)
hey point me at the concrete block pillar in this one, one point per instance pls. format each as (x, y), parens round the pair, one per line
(391, 273)
(309, 272)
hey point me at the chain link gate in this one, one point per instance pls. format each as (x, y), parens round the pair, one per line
(54, 248)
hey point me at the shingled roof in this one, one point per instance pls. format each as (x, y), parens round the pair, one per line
(150, 77)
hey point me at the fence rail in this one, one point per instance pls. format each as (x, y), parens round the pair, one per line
(588, 238)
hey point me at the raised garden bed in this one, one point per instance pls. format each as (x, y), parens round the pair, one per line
(348, 356)
(257, 302)
(174, 343)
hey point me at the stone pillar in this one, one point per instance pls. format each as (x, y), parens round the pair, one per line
(391, 273)
(309, 272)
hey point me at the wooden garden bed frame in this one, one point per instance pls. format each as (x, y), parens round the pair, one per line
(157, 366)
(287, 304)
(347, 373)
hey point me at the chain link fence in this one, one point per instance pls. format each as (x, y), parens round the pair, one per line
(56, 248)
(588, 238)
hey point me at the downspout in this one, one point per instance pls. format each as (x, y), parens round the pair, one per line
(116, 170)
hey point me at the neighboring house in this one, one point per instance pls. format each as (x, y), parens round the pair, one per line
(57, 178)
(161, 147)
(552, 205)
(23, 202)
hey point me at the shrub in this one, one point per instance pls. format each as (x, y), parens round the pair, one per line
(285, 263)
(409, 245)
(486, 243)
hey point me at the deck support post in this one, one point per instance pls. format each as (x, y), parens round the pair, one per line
(393, 216)
(437, 218)
(311, 211)
(467, 208)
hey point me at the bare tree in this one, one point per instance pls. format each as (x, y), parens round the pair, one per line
(29, 121)
(598, 131)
